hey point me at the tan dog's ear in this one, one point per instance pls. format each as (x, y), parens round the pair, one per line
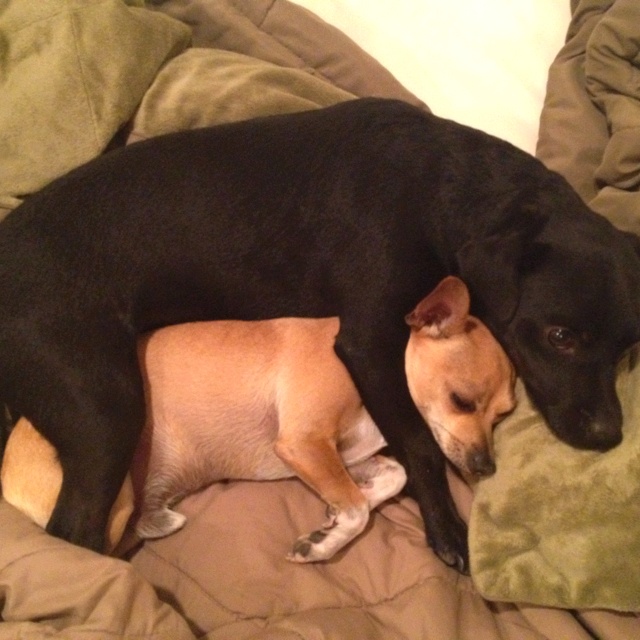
(444, 311)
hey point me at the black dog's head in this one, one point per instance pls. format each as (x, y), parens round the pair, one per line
(561, 290)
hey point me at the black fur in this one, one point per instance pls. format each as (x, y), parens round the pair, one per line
(6, 423)
(357, 210)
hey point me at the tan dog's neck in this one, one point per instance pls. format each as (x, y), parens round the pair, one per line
(470, 378)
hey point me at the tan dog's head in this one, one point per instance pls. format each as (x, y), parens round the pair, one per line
(459, 377)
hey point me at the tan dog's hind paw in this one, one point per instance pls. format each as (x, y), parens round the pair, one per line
(159, 523)
(379, 478)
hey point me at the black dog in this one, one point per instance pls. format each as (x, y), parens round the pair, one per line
(356, 210)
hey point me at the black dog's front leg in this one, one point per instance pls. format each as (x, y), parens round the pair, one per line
(427, 484)
(381, 380)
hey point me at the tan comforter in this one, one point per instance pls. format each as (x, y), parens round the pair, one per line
(225, 576)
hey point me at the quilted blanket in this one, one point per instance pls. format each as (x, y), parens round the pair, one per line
(225, 575)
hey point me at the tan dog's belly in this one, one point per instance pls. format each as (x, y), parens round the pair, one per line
(227, 444)
(255, 401)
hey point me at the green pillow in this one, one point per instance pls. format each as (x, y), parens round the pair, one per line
(73, 72)
(556, 526)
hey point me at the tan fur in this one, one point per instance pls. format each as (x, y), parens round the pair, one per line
(270, 399)
(31, 478)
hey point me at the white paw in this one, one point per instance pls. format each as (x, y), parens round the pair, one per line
(324, 543)
(379, 478)
(310, 548)
(159, 523)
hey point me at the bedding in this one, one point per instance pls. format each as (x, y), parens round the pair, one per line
(562, 527)
(49, 50)
(559, 527)
(224, 575)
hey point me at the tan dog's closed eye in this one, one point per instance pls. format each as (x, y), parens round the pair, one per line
(270, 399)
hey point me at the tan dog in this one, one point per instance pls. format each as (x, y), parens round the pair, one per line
(270, 399)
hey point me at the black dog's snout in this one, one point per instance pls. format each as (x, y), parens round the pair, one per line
(602, 432)
(585, 429)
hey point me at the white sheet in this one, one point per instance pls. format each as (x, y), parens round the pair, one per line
(481, 62)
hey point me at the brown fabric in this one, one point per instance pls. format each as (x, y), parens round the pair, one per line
(225, 573)
(49, 588)
(288, 35)
(590, 125)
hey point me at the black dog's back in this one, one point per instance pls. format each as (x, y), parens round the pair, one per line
(208, 222)
(219, 197)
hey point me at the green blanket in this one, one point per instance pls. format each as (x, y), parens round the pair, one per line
(556, 526)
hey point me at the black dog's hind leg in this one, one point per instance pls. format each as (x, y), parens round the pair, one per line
(89, 404)
(94, 468)
(376, 364)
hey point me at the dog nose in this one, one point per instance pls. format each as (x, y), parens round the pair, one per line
(480, 462)
(603, 434)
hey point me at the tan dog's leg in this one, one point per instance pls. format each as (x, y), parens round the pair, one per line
(158, 519)
(319, 465)
(379, 478)
(158, 471)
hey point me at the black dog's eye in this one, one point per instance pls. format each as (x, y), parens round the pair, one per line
(563, 339)
(462, 404)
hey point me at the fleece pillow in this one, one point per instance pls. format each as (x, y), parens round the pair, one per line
(204, 86)
(556, 526)
(73, 72)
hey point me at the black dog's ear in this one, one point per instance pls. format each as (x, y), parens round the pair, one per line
(634, 239)
(490, 268)
(492, 265)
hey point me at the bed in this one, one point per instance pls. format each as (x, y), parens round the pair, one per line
(557, 79)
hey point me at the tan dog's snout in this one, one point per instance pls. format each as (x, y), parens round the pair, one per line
(459, 377)
(480, 461)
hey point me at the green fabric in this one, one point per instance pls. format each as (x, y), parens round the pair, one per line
(556, 526)
(204, 86)
(72, 73)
